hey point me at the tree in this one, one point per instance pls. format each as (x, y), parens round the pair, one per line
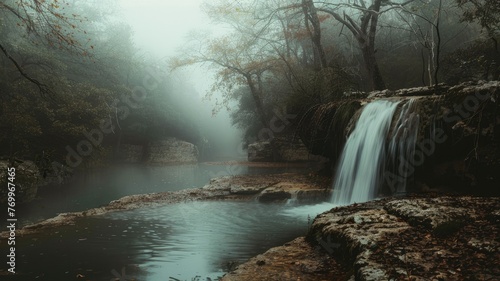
(364, 31)
(241, 58)
(429, 38)
(313, 26)
(44, 20)
(485, 13)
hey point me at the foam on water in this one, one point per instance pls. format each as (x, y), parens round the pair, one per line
(306, 212)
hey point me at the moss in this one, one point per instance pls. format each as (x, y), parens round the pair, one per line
(323, 128)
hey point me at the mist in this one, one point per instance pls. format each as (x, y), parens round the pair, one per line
(175, 140)
(149, 21)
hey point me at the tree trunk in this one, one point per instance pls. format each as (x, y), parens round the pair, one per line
(259, 104)
(311, 15)
(375, 80)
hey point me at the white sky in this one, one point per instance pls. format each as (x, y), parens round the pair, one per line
(161, 26)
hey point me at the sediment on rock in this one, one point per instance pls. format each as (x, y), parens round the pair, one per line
(444, 238)
(296, 260)
(391, 239)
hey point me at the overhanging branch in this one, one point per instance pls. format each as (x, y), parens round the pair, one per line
(44, 89)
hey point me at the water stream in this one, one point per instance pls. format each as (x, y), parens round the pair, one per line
(97, 187)
(199, 239)
(171, 242)
(363, 158)
(182, 241)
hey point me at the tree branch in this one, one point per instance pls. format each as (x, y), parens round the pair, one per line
(44, 89)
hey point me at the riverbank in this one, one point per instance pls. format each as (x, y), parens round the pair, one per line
(431, 237)
(264, 188)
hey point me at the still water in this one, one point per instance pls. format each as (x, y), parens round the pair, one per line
(188, 241)
(178, 241)
(97, 187)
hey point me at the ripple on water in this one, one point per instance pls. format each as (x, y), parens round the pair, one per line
(178, 240)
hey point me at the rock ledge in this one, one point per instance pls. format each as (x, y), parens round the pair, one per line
(439, 238)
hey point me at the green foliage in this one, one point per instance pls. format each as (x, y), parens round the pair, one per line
(34, 123)
(245, 116)
(319, 87)
(477, 61)
(90, 69)
(485, 12)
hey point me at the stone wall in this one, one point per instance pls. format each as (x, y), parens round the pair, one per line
(170, 150)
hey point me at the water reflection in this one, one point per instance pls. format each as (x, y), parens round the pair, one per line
(180, 241)
(98, 187)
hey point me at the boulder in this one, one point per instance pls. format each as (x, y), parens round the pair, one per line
(282, 149)
(171, 150)
(167, 151)
(442, 238)
(260, 152)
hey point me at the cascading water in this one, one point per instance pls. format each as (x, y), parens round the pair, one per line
(363, 158)
(402, 147)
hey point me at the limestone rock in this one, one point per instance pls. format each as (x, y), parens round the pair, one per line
(167, 151)
(260, 152)
(455, 123)
(172, 150)
(283, 149)
(444, 238)
(296, 260)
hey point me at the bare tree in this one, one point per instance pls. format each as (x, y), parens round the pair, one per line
(429, 37)
(239, 61)
(364, 29)
(313, 26)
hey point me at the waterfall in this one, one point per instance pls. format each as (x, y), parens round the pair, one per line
(402, 147)
(359, 170)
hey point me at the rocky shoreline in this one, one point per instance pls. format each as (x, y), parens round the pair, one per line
(264, 188)
(426, 237)
(420, 238)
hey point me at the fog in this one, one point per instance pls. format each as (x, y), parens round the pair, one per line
(260, 62)
(161, 29)
(140, 103)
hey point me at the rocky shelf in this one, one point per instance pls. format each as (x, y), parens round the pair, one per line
(432, 238)
(264, 188)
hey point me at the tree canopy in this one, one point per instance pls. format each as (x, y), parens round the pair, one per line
(70, 71)
(298, 53)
